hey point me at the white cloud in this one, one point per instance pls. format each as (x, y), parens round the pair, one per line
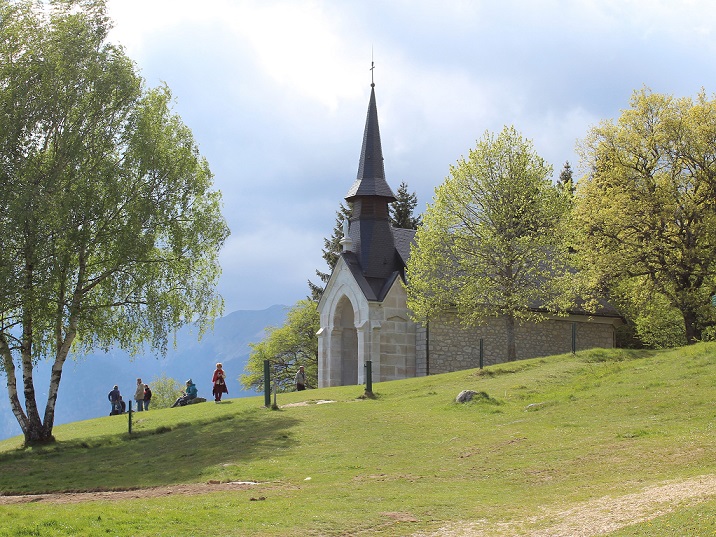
(299, 45)
(276, 92)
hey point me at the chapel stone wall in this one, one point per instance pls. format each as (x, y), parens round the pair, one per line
(397, 337)
(445, 345)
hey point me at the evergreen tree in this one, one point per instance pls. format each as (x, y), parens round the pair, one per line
(566, 180)
(331, 251)
(401, 210)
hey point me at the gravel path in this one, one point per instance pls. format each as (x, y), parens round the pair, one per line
(594, 517)
(586, 519)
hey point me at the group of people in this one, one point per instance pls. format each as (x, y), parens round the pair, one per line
(143, 395)
(219, 388)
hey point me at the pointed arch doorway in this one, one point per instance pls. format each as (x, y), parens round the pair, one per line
(344, 321)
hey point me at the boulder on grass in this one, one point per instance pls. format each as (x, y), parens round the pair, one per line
(465, 396)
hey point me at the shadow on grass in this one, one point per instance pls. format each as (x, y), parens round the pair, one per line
(178, 453)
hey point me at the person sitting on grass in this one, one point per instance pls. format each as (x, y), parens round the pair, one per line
(189, 394)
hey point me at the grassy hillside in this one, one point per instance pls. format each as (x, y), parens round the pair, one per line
(544, 438)
(82, 397)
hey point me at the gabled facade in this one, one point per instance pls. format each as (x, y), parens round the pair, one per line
(363, 309)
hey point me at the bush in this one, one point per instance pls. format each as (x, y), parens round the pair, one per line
(165, 391)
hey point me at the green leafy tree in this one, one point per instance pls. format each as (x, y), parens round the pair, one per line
(287, 347)
(655, 322)
(109, 229)
(165, 391)
(490, 245)
(331, 252)
(645, 213)
(402, 209)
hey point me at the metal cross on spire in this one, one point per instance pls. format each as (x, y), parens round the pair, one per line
(372, 68)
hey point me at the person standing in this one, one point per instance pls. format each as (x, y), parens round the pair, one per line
(139, 395)
(219, 380)
(300, 379)
(147, 396)
(114, 399)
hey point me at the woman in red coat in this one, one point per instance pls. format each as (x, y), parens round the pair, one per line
(219, 380)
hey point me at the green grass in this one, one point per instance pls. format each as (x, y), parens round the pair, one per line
(543, 435)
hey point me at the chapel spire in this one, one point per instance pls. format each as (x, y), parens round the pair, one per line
(371, 173)
(371, 233)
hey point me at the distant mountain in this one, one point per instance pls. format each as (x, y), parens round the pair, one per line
(86, 382)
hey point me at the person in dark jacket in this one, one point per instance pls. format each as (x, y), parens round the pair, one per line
(115, 400)
(147, 396)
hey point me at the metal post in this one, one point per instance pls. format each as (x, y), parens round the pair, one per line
(368, 377)
(267, 384)
(130, 417)
(482, 354)
(275, 391)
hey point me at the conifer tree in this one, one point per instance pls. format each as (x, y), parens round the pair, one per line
(331, 251)
(566, 180)
(401, 210)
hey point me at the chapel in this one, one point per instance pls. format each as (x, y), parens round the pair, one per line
(363, 309)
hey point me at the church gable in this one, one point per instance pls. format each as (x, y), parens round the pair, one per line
(342, 284)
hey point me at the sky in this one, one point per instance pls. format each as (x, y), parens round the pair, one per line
(276, 94)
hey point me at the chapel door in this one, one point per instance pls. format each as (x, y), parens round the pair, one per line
(349, 344)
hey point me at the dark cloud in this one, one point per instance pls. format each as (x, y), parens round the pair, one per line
(276, 95)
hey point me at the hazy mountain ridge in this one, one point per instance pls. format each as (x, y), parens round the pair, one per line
(87, 380)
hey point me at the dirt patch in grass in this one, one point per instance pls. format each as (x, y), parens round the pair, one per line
(400, 517)
(154, 492)
(594, 517)
(585, 519)
(306, 403)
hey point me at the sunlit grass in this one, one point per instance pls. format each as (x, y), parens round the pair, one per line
(542, 432)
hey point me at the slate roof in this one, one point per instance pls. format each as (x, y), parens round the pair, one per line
(371, 171)
(375, 289)
(404, 238)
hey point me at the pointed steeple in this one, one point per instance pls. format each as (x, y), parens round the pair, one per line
(371, 172)
(370, 231)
